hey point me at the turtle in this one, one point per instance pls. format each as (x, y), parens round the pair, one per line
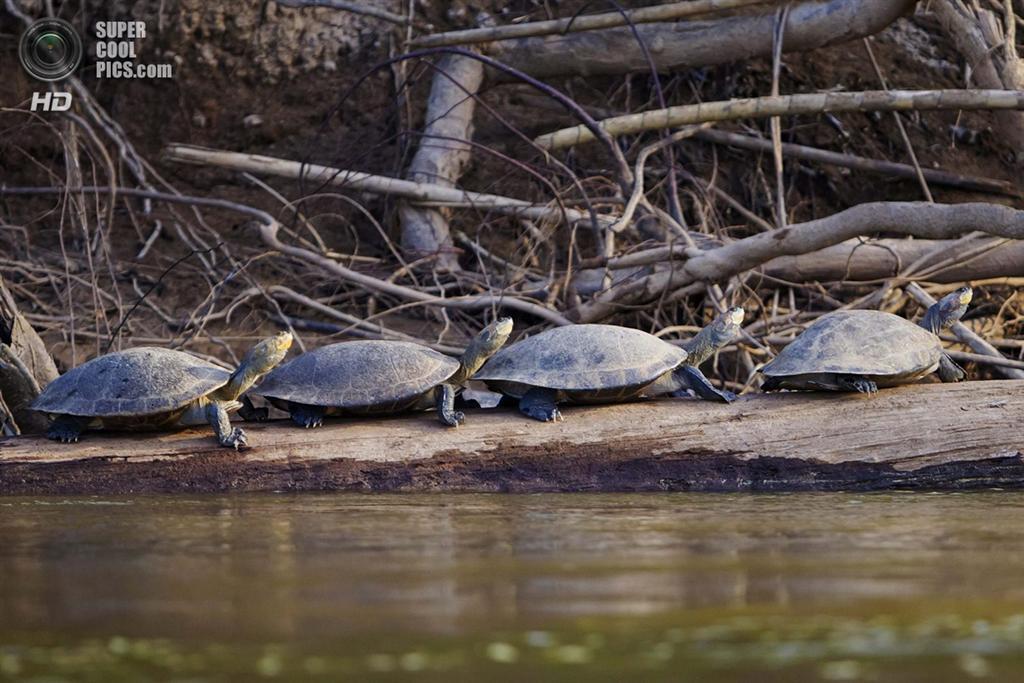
(862, 350)
(378, 377)
(592, 363)
(149, 388)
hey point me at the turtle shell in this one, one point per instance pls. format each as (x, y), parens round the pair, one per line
(137, 382)
(584, 358)
(872, 343)
(359, 374)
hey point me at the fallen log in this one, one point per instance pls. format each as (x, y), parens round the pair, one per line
(932, 436)
(581, 22)
(918, 219)
(677, 46)
(859, 260)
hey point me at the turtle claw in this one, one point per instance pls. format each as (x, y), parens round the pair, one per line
(308, 421)
(869, 388)
(860, 385)
(454, 419)
(306, 416)
(236, 439)
(545, 413)
(64, 432)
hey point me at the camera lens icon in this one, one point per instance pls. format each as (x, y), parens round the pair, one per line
(50, 50)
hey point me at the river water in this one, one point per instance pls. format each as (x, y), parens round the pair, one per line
(579, 587)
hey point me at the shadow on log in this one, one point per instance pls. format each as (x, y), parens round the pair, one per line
(937, 436)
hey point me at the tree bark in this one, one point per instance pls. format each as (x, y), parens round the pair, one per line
(25, 365)
(992, 56)
(932, 436)
(691, 44)
(918, 219)
(443, 154)
(856, 260)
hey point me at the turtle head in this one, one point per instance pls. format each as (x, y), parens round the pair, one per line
(485, 345)
(726, 326)
(260, 360)
(720, 332)
(947, 310)
(265, 356)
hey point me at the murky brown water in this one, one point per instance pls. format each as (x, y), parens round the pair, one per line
(906, 587)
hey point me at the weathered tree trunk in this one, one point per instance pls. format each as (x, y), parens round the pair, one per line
(690, 44)
(933, 436)
(443, 154)
(857, 260)
(25, 366)
(990, 50)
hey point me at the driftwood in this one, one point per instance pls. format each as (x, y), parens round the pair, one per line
(418, 192)
(919, 219)
(690, 44)
(785, 105)
(937, 436)
(442, 155)
(990, 49)
(25, 367)
(584, 22)
(861, 260)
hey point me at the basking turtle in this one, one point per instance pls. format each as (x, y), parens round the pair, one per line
(151, 388)
(378, 377)
(863, 350)
(604, 364)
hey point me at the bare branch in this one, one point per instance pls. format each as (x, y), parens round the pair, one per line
(764, 107)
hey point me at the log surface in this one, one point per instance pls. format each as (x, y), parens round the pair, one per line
(931, 436)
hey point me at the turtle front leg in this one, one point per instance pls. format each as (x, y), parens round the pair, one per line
(540, 404)
(228, 436)
(856, 383)
(306, 416)
(949, 371)
(444, 399)
(690, 378)
(66, 428)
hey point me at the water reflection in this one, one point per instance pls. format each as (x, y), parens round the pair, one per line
(282, 568)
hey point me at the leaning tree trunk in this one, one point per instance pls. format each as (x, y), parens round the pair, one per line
(444, 152)
(25, 367)
(988, 45)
